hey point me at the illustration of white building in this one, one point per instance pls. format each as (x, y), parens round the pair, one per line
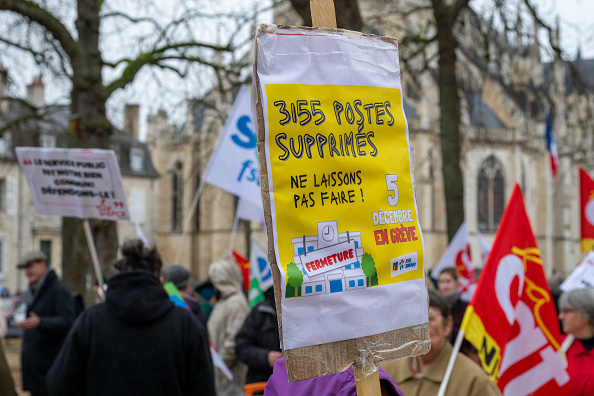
(348, 277)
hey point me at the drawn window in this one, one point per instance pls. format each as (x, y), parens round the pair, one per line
(318, 288)
(335, 286)
(351, 283)
(308, 289)
(360, 282)
(490, 195)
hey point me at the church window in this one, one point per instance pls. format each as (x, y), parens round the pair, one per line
(490, 195)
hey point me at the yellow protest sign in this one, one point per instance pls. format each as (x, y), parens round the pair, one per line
(339, 200)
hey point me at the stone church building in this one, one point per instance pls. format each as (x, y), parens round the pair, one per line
(503, 143)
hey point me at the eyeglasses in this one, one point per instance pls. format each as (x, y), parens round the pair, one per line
(568, 310)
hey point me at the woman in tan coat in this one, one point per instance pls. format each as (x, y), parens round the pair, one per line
(224, 322)
(422, 375)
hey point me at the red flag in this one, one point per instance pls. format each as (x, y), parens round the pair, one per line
(244, 265)
(587, 210)
(511, 319)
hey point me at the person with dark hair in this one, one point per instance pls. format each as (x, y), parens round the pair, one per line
(422, 375)
(50, 313)
(136, 342)
(257, 343)
(576, 312)
(447, 286)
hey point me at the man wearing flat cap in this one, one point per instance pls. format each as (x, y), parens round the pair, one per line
(50, 313)
(181, 279)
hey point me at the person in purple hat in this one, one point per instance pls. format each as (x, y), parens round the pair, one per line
(342, 383)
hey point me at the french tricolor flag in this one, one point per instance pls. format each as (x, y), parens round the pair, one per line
(551, 145)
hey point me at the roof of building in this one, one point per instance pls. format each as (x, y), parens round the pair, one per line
(481, 115)
(55, 123)
(577, 72)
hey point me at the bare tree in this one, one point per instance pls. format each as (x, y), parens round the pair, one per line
(99, 47)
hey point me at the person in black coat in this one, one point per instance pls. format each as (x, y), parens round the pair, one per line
(50, 313)
(136, 342)
(257, 343)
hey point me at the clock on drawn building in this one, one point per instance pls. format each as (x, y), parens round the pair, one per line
(327, 233)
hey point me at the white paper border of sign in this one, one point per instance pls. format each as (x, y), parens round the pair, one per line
(389, 307)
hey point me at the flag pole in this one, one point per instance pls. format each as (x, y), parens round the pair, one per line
(94, 257)
(187, 222)
(234, 228)
(453, 355)
(567, 342)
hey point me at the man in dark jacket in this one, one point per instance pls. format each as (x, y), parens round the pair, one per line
(50, 313)
(257, 343)
(136, 342)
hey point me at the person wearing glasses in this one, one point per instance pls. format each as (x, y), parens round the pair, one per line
(576, 309)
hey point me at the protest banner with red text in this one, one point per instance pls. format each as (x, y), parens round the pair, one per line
(79, 183)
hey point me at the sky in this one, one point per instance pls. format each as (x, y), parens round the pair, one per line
(577, 31)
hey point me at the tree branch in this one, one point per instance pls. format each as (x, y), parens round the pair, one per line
(156, 57)
(46, 20)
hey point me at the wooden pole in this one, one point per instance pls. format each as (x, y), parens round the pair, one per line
(567, 343)
(367, 385)
(322, 13)
(94, 257)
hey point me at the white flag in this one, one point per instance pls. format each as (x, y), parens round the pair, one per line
(218, 361)
(457, 255)
(582, 276)
(233, 165)
(259, 266)
(250, 211)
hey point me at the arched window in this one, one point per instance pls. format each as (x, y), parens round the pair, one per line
(490, 195)
(176, 197)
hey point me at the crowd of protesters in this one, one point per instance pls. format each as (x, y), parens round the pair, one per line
(138, 341)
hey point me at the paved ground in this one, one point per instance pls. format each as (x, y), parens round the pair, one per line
(12, 348)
